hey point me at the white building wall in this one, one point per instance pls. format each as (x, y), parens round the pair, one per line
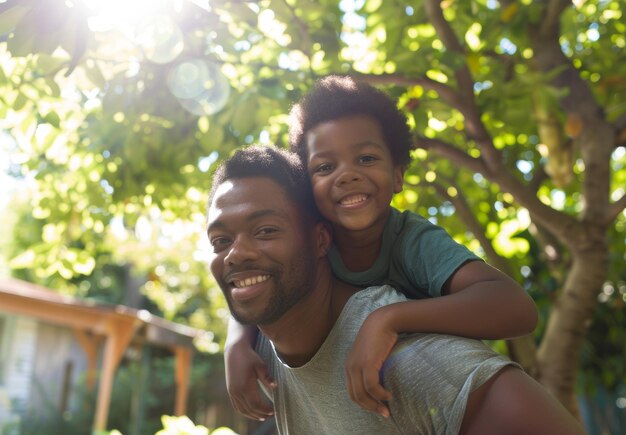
(18, 357)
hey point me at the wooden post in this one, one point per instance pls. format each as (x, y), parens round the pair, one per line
(90, 344)
(120, 331)
(183, 364)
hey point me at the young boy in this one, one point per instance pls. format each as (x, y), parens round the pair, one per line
(355, 144)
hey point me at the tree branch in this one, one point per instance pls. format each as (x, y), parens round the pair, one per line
(522, 349)
(565, 227)
(469, 219)
(452, 153)
(596, 141)
(443, 29)
(447, 93)
(559, 223)
(551, 23)
(302, 29)
(614, 210)
(473, 124)
(451, 42)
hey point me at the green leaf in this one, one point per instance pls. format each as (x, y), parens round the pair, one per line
(95, 75)
(11, 17)
(52, 118)
(372, 5)
(49, 64)
(19, 102)
(21, 43)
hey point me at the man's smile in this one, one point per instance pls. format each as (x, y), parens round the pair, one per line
(247, 282)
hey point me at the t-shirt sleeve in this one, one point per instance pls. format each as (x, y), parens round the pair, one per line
(431, 256)
(431, 377)
(264, 349)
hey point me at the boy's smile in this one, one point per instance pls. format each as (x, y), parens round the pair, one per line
(352, 172)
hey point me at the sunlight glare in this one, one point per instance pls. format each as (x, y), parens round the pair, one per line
(144, 22)
(105, 15)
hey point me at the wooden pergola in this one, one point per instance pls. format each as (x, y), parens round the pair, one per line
(110, 328)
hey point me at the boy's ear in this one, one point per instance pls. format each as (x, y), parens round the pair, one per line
(398, 178)
(323, 238)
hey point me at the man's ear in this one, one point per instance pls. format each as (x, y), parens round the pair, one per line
(323, 238)
(398, 178)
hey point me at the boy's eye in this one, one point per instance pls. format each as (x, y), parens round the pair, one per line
(367, 159)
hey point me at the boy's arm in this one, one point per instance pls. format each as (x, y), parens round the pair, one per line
(513, 403)
(243, 368)
(481, 302)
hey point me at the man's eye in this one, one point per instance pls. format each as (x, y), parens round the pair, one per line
(323, 168)
(219, 243)
(267, 231)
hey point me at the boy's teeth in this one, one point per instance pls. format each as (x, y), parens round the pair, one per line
(251, 281)
(353, 199)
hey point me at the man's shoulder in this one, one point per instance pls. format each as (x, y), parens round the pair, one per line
(446, 359)
(378, 296)
(431, 376)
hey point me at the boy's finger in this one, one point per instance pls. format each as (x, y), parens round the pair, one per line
(360, 396)
(264, 376)
(371, 383)
(256, 410)
(255, 406)
(383, 410)
(262, 409)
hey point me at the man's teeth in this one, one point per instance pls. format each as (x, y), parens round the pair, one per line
(251, 281)
(353, 199)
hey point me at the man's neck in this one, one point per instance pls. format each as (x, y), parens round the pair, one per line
(298, 335)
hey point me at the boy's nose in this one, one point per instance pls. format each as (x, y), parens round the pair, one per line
(240, 250)
(348, 177)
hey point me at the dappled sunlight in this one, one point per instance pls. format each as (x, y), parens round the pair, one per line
(115, 113)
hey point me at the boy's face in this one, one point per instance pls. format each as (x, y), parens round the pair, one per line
(352, 172)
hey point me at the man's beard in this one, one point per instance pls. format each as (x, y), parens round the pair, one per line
(285, 296)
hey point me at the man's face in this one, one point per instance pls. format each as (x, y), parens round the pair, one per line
(263, 256)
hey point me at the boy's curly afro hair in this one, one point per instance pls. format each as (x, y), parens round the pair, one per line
(335, 97)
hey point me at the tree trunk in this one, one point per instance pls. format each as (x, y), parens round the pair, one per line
(559, 353)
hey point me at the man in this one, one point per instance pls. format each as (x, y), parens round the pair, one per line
(269, 258)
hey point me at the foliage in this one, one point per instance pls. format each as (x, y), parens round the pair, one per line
(184, 426)
(117, 133)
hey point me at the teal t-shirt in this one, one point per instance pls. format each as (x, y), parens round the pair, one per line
(416, 257)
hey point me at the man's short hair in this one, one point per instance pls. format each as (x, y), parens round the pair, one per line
(281, 166)
(335, 97)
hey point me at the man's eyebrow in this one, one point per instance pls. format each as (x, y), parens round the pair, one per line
(267, 212)
(220, 224)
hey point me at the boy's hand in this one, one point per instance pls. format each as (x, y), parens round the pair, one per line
(364, 361)
(243, 368)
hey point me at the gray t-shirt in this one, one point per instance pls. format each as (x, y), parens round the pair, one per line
(429, 375)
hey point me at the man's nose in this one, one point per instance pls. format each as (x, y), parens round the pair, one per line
(241, 250)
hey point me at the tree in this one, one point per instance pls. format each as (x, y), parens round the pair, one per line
(517, 109)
